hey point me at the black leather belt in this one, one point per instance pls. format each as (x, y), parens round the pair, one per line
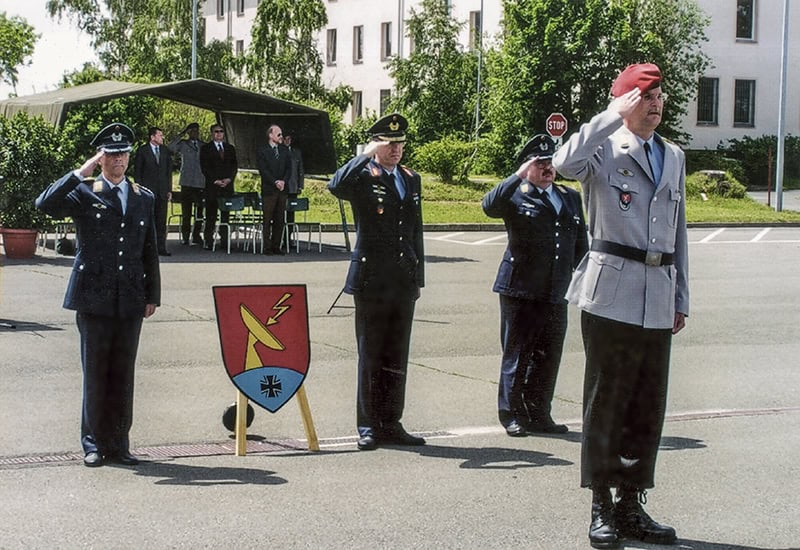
(645, 256)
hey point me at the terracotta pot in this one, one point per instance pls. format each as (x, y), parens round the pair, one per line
(19, 244)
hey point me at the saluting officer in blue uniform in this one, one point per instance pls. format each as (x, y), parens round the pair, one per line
(386, 273)
(546, 240)
(115, 283)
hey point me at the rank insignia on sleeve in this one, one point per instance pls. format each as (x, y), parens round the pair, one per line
(625, 201)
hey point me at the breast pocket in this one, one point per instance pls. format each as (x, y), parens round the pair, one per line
(675, 198)
(603, 273)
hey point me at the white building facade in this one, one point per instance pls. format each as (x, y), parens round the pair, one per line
(737, 97)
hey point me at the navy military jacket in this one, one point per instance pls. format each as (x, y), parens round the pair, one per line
(388, 260)
(543, 247)
(116, 270)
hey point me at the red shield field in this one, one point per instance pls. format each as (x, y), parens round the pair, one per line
(263, 335)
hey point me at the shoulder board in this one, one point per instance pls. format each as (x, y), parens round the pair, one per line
(666, 140)
(375, 170)
(563, 190)
(138, 189)
(97, 185)
(408, 170)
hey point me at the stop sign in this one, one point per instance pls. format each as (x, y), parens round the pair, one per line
(556, 125)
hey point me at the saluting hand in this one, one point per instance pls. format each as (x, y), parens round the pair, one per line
(89, 166)
(372, 147)
(522, 171)
(626, 103)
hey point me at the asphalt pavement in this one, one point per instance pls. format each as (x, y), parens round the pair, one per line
(726, 477)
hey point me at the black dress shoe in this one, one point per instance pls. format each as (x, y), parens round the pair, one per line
(546, 426)
(267, 252)
(399, 436)
(93, 459)
(634, 523)
(185, 242)
(124, 458)
(279, 251)
(603, 531)
(367, 443)
(515, 429)
(164, 253)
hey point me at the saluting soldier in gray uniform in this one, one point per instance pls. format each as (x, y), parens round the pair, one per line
(115, 283)
(633, 292)
(385, 275)
(546, 240)
(192, 182)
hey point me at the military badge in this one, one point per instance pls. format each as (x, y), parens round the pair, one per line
(625, 199)
(524, 187)
(263, 333)
(625, 172)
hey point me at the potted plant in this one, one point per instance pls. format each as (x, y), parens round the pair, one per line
(30, 159)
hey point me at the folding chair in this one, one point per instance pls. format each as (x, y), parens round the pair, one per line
(173, 213)
(234, 206)
(252, 220)
(291, 230)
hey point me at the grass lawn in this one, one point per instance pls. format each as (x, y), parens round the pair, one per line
(461, 203)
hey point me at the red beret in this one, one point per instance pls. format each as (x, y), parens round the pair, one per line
(644, 76)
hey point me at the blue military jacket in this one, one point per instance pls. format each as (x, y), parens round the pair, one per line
(116, 270)
(543, 247)
(388, 260)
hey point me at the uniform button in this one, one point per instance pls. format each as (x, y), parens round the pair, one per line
(556, 233)
(655, 199)
(120, 252)
(601, 257)
(401, 254)
(120, 268)
(121, 239)
(400, 222)
(653, 240)
(624, 185)
(401, 238)
(364, 259)
(654, 219)
(558, 224)
(80, 267)
(141, 222)
(97, 216)
(556, 256)
(122, 224)
(558, 245)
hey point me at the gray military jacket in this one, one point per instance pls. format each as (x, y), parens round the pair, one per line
(191, 174)
(625, 206)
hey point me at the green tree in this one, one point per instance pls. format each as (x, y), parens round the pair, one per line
(148, 40)
(283, 59)
(436, 83)
(562, 56)
(17, 41)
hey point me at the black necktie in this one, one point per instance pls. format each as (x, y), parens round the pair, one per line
(650, 164)
(221, 150)
(116, 198)
(157, 154)
(546, 200)
(275, 150)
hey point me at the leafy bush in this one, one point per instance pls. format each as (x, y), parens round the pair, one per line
(722, 185)
(754, 155)
(697, 160)
(31, 158)
(445, 157)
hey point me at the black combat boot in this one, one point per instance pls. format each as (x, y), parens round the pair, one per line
(634, 523)
(602, 530)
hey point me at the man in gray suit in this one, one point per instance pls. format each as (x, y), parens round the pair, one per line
(633, 292)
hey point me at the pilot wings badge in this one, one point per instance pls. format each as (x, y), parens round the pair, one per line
(263, 335)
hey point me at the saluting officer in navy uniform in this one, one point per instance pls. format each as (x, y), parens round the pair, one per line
(546, 240)
(386, 273)
(115, 284)
(633, 291)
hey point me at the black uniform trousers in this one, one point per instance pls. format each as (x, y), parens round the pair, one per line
(191, 206)
(624, 401)
(532, 338)
(161, 223)
(108, 355)
(383, 333)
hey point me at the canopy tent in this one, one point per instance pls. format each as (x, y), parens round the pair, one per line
(245, 115)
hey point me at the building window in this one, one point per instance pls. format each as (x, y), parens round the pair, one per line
(744, 103)
(708, 101)
(356, 106)
(331, 51)
(240, 47)
(449, 5)
(386, 97)
(358, 44)
(220, 9)
(475, 30)
(386, 40)
(745, 19)
(240, 8)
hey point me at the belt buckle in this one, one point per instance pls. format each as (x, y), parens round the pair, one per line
(652, 258)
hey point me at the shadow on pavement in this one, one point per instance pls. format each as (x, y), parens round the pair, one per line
(671, 443)
(183, 474)
(489, 458)
(687, 544)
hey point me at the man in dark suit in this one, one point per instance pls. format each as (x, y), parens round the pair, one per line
(546, 240)
(219, 165)
(295, 184)
(152, 167)
(275, 167)
(385, 276)
(115, 284)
